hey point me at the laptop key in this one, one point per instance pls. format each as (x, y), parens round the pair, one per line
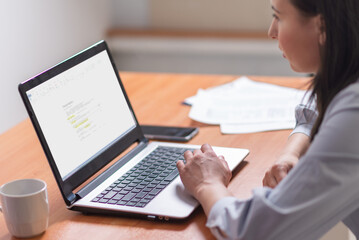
(140, 204)
(118, 196)
(128, 188)
(121, 185)
(104, 192)
(149, 197)
(136, 199)
(103, 200)
(100, 195)
(117, 189)
(128, 196)
(131, 204)
(145, 200)
(121, 202)
(123, 192)
(160, 186)
(112, 201)
(172, 175)
(147, 189)
(140, 186)
(155, 191)
(151, 185)
(132, 185)
(110, 195)
(136, 190)
(165, 182)
(141, 194)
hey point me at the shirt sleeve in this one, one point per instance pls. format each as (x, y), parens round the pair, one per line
(320, 191)
(305, 116)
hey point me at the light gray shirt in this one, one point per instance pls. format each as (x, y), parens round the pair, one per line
(320, 191)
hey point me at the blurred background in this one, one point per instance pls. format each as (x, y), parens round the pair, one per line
(186, 36)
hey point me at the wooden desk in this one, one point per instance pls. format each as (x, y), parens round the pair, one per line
(156, 99)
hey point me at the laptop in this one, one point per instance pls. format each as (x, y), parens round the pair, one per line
(84, 120)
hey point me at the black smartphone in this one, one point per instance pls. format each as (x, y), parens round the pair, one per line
(181, 134)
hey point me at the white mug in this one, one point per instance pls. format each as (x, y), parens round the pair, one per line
(25, 206)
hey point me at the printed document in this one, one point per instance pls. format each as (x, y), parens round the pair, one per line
(245, 106)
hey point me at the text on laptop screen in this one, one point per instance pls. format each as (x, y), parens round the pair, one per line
(81, 112)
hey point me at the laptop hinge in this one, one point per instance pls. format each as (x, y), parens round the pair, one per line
(103, 176)
(72, 198)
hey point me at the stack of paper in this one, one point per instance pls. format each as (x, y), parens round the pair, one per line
(245, 106)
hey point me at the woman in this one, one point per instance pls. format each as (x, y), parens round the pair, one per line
(300, 200)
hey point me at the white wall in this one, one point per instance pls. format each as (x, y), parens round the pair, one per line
(37, 34)
(191, 54)
(197, 15)
(211, 15)
(130, 14)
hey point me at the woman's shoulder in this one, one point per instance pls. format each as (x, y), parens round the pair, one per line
(347, 98)
(350, 93)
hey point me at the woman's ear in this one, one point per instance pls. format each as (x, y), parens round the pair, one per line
(321, 29)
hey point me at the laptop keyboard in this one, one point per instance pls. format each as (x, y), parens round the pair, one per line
(147, 179)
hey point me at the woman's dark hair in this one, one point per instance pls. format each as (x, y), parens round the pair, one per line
(340, 54)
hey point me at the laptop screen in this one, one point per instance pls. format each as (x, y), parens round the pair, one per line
(81, 112)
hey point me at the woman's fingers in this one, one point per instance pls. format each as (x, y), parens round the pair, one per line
(206, 148)
(276, 174)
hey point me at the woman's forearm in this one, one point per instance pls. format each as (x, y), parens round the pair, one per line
(296, 146)
(209, 195)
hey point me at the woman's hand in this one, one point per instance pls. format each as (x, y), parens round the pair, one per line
(205, 175)
(278, 171)
(296, 146)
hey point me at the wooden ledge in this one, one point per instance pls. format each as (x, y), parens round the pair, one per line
(185, 34)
